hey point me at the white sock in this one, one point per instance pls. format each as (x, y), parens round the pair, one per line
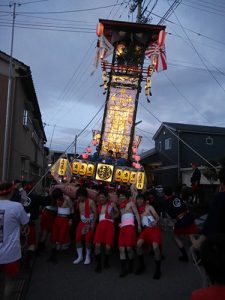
(80, 256)
(88, 257)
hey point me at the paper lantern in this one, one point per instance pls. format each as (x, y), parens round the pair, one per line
(126, 176)
(88, 149)
(94, 142)
(134, 164)
(90, 169)
(75, 167)
(118, 175)
(133, 176)
(62, 166)
(83, 169)
(134, 150)
(140, 180)
(85, 155)
(137, 158)
(99, 29)
(137, 166)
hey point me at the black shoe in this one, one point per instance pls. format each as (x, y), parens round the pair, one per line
(41, 247)
(53, 257)
(106, 262)
(123, 270)
(130, 265)
(98, 267)
(184, 256)
(158, 272)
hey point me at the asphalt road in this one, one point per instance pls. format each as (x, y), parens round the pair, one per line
(67, 281)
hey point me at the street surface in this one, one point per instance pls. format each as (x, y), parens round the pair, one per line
(67, 281)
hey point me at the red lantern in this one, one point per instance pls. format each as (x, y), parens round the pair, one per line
(88, 149)
(134, 150)
(138, 158)
(94, 142)
(99, 29)
(85, 155)
(137, 166)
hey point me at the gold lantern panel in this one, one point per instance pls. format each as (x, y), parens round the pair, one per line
(90, 170)
(62, 166)
(133, 177)
(118, 175)
(75, 167)
(126, 176)
(104, 172)
(140, 180)
(83, 168)
(118, 121)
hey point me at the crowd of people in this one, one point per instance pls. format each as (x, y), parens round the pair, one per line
(100, 220)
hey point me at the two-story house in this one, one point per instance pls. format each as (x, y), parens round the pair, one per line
(25, 146)
(177, 146)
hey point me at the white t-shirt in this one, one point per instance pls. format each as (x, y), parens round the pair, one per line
(12, 215)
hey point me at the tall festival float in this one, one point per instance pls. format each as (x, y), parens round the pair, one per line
(128, 44)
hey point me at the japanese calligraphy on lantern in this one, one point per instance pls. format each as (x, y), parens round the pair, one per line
(104, 172)
(140, 180)
(119, 120)
(62, 166)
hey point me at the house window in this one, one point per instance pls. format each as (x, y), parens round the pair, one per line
(27, 123)
(168, 144)
(209, 141)
(35, 137)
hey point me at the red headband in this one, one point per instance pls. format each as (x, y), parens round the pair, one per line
(6, 191)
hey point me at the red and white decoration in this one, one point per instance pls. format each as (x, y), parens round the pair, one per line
(157, 53)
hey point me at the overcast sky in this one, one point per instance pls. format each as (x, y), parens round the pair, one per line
(59, 47)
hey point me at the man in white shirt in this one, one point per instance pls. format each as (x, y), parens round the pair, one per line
(12, 216)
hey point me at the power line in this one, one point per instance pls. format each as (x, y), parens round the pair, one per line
(67, 11)
(209, 71)
(186, 99)
(202, 9)
(178, 137)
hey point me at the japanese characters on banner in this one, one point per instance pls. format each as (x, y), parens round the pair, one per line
(100, 171)
(129, 175)
(61, 169)
(80, 167)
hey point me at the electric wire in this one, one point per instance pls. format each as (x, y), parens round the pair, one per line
(179, 138)
(67, 11)
(209, 71)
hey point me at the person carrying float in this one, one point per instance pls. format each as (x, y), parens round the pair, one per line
(105, 231)
(184, 220)
(150, 235)
(127, 234)
(62, 223)
(85, 228)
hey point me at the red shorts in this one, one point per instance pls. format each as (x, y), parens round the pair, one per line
(61, 231)
(127, 236)
(47, 220)
(151, 235)
(105, 233)
(11, 269)
(80, 235)
(32, 239)
(191, 229)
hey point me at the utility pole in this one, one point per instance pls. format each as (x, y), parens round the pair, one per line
(139, 8)
(75, 146)
(5, 164)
